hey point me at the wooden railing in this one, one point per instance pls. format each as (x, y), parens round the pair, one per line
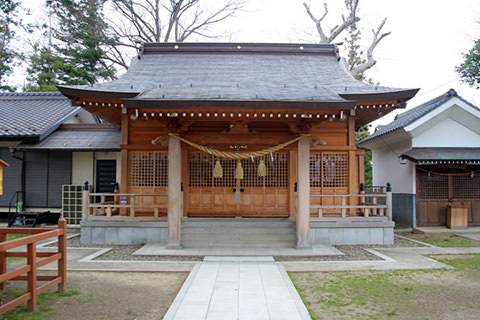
(371, 207)
(32, 264)
(124, 204)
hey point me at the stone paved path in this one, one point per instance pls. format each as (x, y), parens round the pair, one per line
(247, 288)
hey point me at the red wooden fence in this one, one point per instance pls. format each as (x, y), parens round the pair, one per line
(30, 269)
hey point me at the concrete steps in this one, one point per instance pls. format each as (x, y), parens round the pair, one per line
(238, 233)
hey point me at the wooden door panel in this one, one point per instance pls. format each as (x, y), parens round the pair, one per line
(262, 196)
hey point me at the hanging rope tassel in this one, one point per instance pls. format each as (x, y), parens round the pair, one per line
(261, 170)
(218, 170)
(239, 171)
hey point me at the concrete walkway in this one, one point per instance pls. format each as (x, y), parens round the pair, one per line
(224, 288)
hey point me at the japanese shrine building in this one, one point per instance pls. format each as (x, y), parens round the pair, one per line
(236, 130)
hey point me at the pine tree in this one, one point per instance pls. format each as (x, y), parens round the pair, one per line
(8, 19)
(44, 70)
(80, 40)
(469, 70)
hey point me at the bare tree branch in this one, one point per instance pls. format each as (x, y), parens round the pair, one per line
(335, 31)
(166, 20)
(377, 37)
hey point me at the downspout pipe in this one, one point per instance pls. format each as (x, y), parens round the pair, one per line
(22, 175)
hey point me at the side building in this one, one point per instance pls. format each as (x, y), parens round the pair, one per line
(48, 143)
(431, 155)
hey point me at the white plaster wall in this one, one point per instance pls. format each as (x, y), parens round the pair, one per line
(447, 133)
(387, 168)
(84, 165)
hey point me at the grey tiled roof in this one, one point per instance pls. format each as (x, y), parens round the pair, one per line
(409, 116)
(443, 154)
(33, 115)
(80, 137)
(219, 72)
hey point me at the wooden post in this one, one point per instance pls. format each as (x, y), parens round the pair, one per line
(344, 204)
(388, 201)
(3, 259)
(132, 206)
(62, 249)
(174, 193)
(32, 276)
(303, 190)
(85, 202)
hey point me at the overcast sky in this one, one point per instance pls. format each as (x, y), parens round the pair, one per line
(427, 37)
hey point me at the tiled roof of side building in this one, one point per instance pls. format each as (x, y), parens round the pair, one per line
(409, 116)
(33, 115)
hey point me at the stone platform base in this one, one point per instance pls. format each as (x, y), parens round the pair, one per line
(352, 231)
(348, 231)
(125, 233)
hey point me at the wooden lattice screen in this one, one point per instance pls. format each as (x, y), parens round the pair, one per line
(466, 187)
(148, 169)
(328, 169)
(435, 186)
(201, 171)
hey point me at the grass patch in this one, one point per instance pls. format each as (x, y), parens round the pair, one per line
(452, 241)
(43, 312)
(403, 294)
(13, 236)
(467, 262)
(446, 240)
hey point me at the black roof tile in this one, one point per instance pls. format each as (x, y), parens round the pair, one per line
(33, 115)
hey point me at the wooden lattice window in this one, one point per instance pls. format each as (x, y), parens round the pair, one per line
(148, 169)
(328, 169)
(276, 165)
(466, 187)
(432, 186)
(201, 171)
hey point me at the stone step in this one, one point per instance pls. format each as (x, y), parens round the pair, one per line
(230, 230)
(238, 236)
(238, 233)
(237, 223)
(238, 244)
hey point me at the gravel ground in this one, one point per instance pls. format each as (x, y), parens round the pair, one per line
(351, 253)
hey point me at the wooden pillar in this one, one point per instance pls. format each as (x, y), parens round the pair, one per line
(124, 159)
(174, 193)
(303, 190)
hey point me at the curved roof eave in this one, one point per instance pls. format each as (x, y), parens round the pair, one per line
(400, 95)
(75, 91)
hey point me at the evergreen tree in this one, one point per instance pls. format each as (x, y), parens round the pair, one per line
(469, 70)
(80, 40)
(8, 19)
(361, 134)
(44, 70)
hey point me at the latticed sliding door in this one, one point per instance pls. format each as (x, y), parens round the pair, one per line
(328, 176)
(147, 174)
(435, 190)
(258, 196)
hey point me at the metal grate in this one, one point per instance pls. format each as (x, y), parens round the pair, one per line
(148, 169)
(328, 169)
(432, 187)
(201, 171)
(466, 187)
